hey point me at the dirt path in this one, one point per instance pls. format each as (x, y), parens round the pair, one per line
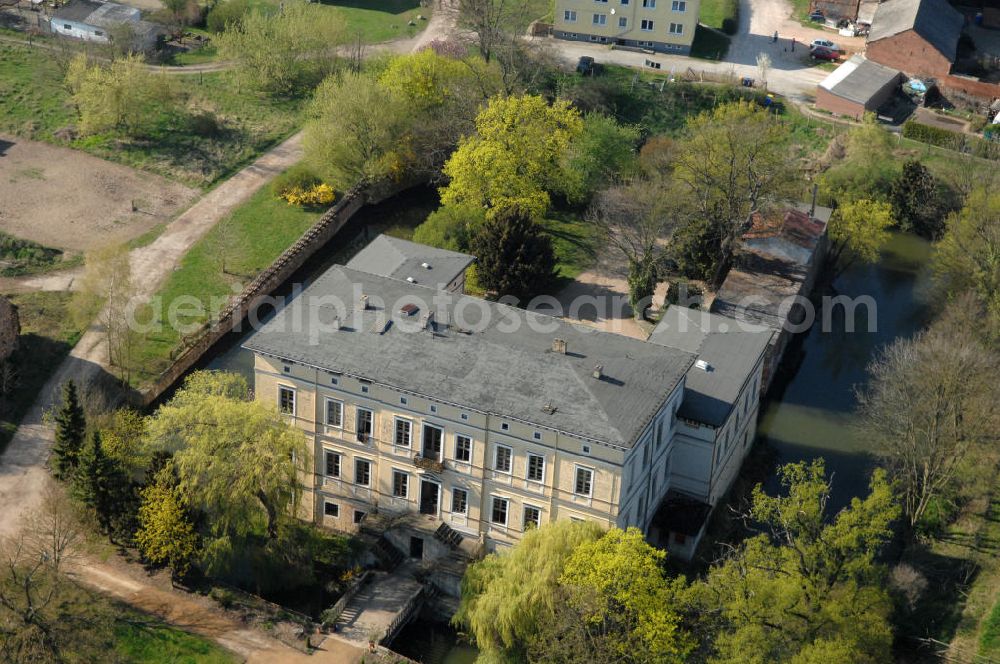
(154, 594)
(22, 468)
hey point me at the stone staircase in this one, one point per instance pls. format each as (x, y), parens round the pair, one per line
(448, 536)
(389, 557)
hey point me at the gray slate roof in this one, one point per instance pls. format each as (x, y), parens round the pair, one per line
(399, 259)
(731, 349)
(111, 14)
(936, 21)
(77, 10)
(478, 365)
(859, 79)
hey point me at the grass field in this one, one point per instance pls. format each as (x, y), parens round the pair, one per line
(247, 241)
(574, 241)
(156, 643)
(47, 335)
(713, 12)
(380, 20)
(34, 103)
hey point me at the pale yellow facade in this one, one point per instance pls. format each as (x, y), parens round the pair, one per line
(514, 470)
(660, 25)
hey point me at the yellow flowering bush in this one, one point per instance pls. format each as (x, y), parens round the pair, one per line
(316, 195)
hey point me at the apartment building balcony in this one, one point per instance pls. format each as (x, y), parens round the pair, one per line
(428, 463)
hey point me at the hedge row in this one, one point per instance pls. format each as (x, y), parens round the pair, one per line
(950, 140)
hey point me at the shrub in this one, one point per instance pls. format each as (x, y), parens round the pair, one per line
(226, 13)
(299, 176)
(204, 123)
(315, 196)
(943, 138)
(731, 24)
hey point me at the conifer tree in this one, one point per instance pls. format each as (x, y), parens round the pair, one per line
(94, 481)
(71, 428)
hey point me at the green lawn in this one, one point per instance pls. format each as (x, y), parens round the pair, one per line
(713, 12)
(47, 335)
(380, 20)
(708, 44)
(248, 240)
(989, 639)
(156, 643)
(35, 104)
(574, 241)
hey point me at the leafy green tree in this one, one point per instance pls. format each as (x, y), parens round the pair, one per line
(506, 596)
(809, 588)
(517, 156)
(920, 202)
(450, 227)
(166, 534)
(236, 459)
(864, 168)
(225, 14)
(71, 430)
(514, 257)
(356, 131)
(124, 442)
(966, 258)
(603, 152)
(625, 603)
(282, 53)
(121, 97)
(733, 161)
(858, 231)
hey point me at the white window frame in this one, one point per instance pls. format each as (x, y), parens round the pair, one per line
(295, 399)
(340, 463)
(576, 476)
(466, 492)
(569, 15)
(510, 458)
(395, 432)
(455, 450)
(326, 414)
(527, 468)
(506, 511)
(358, 460)
(329, 503)
(396, 472)
(622, 22)
(599, 19)
(646, 25)
(679, 6)
(649, 4)
(678, 31)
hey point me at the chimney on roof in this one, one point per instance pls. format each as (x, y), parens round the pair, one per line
(364, 303)
(427, 322)
(598, 371)
(812, 208)
(425, 265)
(559, 346)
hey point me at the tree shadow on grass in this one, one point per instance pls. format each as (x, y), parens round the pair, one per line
(385, 6)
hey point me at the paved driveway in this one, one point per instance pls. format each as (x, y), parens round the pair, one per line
(760, 19)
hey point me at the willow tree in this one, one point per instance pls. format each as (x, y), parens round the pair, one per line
(236, 459)
(506, 596)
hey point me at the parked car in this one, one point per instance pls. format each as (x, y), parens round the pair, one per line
(817, 16)
(585, 65)
(825, 43)
(824, 53)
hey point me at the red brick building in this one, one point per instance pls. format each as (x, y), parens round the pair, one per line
(919, 37)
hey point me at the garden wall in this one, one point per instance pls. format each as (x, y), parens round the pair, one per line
(268, 281)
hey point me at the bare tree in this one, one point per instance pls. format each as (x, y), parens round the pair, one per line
(105, 293)
(637, 219)
(763, 67)
(930, 403)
